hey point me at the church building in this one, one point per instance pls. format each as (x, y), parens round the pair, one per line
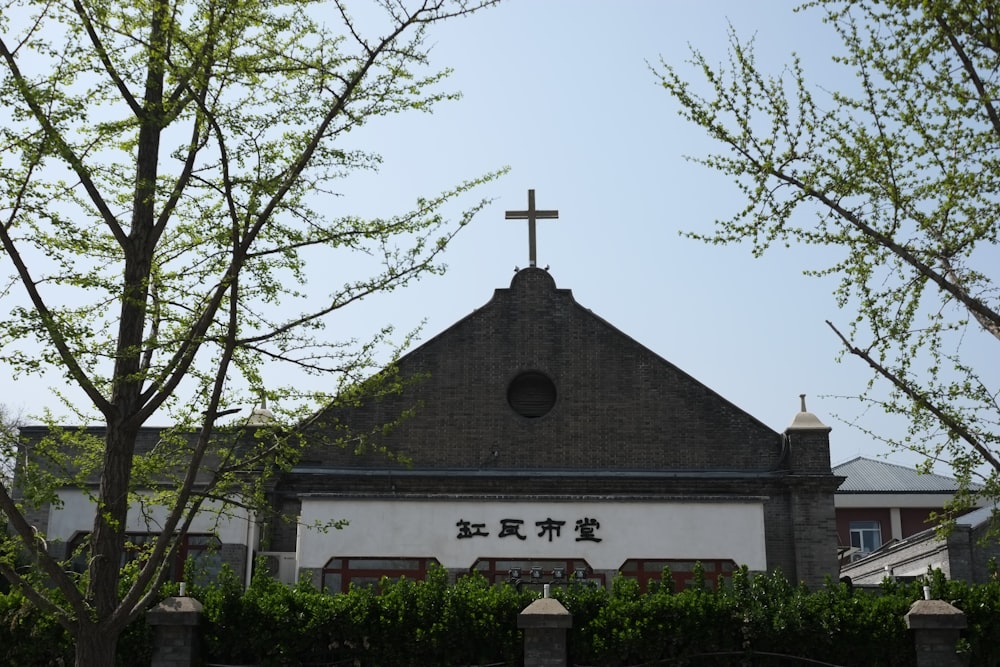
(533, 441)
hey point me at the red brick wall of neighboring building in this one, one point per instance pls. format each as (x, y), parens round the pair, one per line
(914, 520)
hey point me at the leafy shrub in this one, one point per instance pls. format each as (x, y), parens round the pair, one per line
(471, 622)
(30, 637)
(405, 622)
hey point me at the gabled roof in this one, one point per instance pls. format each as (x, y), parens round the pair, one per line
(871, 476)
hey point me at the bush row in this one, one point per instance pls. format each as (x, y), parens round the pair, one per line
(406, 623)
(751, 618)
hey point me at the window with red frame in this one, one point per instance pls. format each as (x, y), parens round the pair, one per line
(339, 574)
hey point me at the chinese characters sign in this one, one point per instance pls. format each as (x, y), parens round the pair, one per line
(549, 529)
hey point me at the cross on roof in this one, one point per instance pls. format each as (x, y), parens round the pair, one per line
(531, 215)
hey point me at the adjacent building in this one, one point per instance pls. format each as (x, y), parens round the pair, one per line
(886, 528)
(882, 502)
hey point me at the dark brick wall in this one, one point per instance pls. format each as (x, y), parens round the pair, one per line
(235, 556)
(814, 528)
(809, 450)
(173, 442)
(279, 530)
(985, 552)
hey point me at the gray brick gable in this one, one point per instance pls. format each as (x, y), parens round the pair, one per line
(619, 406)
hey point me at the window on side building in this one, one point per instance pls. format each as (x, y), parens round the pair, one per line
(202, 549)
(866, 537)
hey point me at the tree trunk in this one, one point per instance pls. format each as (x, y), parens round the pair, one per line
(107, 539)
(95, 647)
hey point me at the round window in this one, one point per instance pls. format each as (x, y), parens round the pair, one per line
(531, 394)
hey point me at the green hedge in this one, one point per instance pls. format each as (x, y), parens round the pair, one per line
(409, 623)
(433, 623)
(30, 638)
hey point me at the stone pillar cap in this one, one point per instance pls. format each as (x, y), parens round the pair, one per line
(545, 613)
(175, 611)
(935, 615)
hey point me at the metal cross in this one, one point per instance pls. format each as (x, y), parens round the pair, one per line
(531, 215)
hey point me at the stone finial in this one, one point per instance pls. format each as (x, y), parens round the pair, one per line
(261, 416)
(805, 420)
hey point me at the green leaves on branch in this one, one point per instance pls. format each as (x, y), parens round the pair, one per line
(894, 171)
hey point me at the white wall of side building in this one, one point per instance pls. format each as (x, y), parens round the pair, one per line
(852, 500)
(629, 529)
(76, 514)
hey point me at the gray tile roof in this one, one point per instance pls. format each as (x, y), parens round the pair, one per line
(870, 476)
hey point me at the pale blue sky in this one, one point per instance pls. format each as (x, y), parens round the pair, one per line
(560, 90)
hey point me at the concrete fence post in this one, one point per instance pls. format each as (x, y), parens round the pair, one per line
(545, 622)
(175, 631)
(936, 627)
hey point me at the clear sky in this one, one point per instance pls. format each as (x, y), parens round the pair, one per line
(561, 91)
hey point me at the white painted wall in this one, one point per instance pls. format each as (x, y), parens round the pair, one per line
(866, 500)
(77, 515)
(416, 528)
(895, 524)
